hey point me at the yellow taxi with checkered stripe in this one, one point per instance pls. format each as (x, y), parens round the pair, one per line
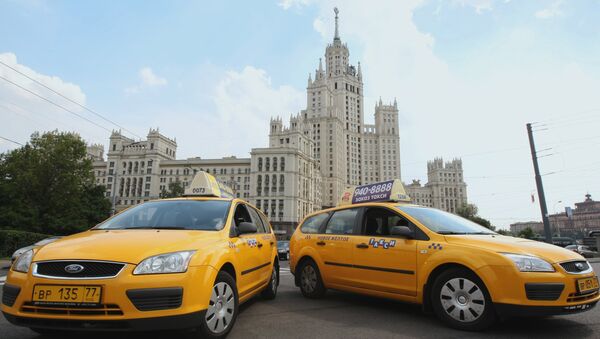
(183, 263)
(377, 243)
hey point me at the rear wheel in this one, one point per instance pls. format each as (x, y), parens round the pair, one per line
(222, 309)
(461, 300)
(311, 284)
(271, 291)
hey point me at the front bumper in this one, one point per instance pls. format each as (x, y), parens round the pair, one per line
(508, 310)
(174, 322)
(126, 301)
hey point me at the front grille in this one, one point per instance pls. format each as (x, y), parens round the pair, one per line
(543, 291)
(96, 310)
(152, 299)
(91, 269)
(577, 297)
(576, 266)
(10, 294)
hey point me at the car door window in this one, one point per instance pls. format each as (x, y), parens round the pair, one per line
(380, 221)
(313, 224)
(342, 222)
(241, 215)
(257, 221)
(265, 221)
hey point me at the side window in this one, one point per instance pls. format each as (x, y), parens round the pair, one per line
(256, 220)
(342, 222)
(379, 221)
(313, 224)
(266, 222)
(241, 215)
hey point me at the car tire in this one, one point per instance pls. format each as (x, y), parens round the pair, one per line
(311, 284)
(222, 311)
(270, 292)
(461, 300)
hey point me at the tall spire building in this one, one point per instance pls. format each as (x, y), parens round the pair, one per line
(348, 151)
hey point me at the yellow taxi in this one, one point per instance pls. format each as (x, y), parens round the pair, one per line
(377, 243)
(183, 263)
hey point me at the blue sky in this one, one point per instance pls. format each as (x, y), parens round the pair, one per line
(467, 74)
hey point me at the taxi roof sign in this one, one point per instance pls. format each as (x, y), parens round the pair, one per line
(391, 190)
(206, 185)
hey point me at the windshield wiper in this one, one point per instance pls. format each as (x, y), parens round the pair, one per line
(450, 232)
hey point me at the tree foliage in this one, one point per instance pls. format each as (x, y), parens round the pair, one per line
(469, 211)
(47, 186)
(175, 190)
(527, 233)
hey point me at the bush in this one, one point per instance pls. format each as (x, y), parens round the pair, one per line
(11, 240)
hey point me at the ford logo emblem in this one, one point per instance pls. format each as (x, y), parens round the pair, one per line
(74, 268)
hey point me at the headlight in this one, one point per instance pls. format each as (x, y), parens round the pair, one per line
(527, 263)
(23, 262)
(176, 262)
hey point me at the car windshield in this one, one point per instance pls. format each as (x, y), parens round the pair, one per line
(283, 244)
(443, 222)
(206, 215)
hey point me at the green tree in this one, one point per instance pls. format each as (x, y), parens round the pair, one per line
(47, 186)
(527, 233)
(504, 232)
(469, 211)
(175, 190)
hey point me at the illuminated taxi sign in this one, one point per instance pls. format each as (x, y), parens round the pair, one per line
(206, 185)
(391, 190)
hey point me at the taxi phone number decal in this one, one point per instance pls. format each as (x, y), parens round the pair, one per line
(380, 191)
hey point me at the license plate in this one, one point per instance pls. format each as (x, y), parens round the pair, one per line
(587, 284)
(66, 294)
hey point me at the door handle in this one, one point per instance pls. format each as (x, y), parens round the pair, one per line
(272, 243)
(259, 245)
(321, 243)
(363, 245)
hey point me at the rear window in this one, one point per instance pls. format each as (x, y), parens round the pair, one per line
(313, 224)
(342, 222)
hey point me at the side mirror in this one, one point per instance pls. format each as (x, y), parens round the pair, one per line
(247, 227)
(402, 231)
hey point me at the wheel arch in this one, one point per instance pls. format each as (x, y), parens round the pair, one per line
(301, 261)
(229, 268)
(427, 307)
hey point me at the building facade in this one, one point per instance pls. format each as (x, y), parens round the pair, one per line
(445, 188)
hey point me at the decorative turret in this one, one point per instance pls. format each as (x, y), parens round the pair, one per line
(359, 74)
(309, 79)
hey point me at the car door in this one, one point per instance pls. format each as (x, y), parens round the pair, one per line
(334, 246)
(388, 263)
(265, 244)
(249, 256)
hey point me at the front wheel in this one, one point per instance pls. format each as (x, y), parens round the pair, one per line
(222, 308)
(461, 300)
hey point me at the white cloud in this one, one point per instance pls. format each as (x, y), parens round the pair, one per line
(287, 4)
(147, 79)
(244, 103)
(479, 5)
(550, 12)
(23, 113)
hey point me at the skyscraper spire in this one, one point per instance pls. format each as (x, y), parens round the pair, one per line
(337, 32)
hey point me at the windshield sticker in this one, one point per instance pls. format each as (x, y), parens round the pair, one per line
(435, 246)
(381, 243)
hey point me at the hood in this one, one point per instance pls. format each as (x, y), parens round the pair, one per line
(500, 243)
(129, 246)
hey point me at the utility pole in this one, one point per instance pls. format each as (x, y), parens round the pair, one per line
(540, 187)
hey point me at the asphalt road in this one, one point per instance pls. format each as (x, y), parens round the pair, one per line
(344, 315)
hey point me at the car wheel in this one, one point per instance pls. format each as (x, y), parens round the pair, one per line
(271, 291)
(311, 284)
(222, 309)
(461, 300)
